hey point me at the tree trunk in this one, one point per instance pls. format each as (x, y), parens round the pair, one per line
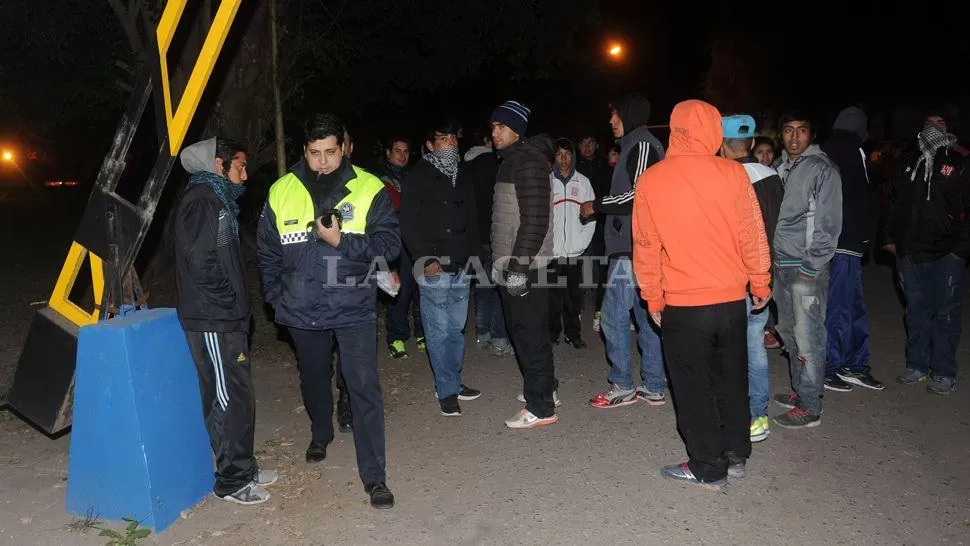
(277, 101)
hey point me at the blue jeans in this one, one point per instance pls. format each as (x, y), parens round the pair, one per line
(846, 319)
(759, 379)
(407, 299)
(444, 298)
(489, 318)
(934, 305)
(621, 296)
(801, 325)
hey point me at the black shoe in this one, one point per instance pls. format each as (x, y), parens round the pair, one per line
(345, 427)
(449, 406)
(863, 379)
(468, 393)
(835, 383)
(380, 496)
(577, 342)
(316, 452)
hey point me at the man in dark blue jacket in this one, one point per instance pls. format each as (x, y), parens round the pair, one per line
(846, 319)
(324, 224)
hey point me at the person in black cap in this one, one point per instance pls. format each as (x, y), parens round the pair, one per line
(521, 246)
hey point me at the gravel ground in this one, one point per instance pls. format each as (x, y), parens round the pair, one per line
(884, 468)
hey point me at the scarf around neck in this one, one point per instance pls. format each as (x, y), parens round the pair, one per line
(228, 193)
(930, 140)
(446, 161)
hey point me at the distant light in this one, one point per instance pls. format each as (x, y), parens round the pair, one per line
(7, 155)
(616, 50)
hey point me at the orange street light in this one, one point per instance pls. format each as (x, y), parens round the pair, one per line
(8, 156)
(615, 51)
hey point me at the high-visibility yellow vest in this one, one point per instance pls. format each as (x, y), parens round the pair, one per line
(293, 205)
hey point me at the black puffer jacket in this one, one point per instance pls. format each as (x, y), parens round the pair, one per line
(928, 220)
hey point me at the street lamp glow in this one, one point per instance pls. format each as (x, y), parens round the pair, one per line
(615, 50)
(7, 155)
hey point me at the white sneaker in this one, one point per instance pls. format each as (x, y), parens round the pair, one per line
(267, 477)
(596, 321)
(249, 494)
(555, 398)
(525, 419)
(651, 398)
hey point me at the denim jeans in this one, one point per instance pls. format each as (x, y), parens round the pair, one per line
(759, 378)
(934, 305)
(622, 295)
(407, 299)
(846, 319)
(801, 325)
(444, 300)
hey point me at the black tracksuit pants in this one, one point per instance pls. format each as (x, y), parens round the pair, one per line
(565, 298)
(357, 346)
(706, 352)
(228, 404)
(527, 320)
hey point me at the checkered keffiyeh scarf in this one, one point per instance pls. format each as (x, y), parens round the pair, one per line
(446, 161)
(930, 140)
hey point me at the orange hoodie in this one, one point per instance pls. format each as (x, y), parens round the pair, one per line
(698, 236)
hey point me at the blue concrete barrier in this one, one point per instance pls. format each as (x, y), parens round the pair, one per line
(139, 447)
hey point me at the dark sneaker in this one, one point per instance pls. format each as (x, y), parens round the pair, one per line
(681, 473)
(421, 343)
(449, 406)
(468, 393)
(316, 452)
(249, 494)
(798, 418)
(736, 466)
(786, 400)
(651, 398)
(380, 496)
(863, 379)
(835, 383)
(396, 349)
(912, 376)
(576, 342)
(941, 385)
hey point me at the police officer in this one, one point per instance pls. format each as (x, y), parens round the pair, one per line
(324, 224)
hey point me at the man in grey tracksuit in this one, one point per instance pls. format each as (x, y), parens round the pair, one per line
(806, 237)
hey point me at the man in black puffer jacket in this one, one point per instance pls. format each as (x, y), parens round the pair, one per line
(439, 224)
(521, 246)
(846, 320)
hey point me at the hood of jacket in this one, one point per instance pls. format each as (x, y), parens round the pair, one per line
(199, 157)
(853, 119)
(476, 151)
(695, 129)
(634, 111)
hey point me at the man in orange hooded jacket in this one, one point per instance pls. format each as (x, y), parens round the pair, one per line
(699, 243)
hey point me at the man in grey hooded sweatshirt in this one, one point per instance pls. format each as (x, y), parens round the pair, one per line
(807, 234)
(639, 149)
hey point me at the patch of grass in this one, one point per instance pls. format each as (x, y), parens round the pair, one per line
(132, 534)
(82, 525)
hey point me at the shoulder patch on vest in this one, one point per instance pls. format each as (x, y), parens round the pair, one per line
(292, 222)
(347, 212)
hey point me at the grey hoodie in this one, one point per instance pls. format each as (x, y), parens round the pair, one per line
(810, 220)
(199, 156)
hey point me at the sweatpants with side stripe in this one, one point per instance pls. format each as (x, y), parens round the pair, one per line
(228, 404)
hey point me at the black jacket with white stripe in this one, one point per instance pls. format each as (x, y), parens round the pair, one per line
(639, 149)
(210, 286)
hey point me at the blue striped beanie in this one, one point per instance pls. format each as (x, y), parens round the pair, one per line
(513, 115)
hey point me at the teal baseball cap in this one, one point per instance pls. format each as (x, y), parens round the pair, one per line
(739, 126)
